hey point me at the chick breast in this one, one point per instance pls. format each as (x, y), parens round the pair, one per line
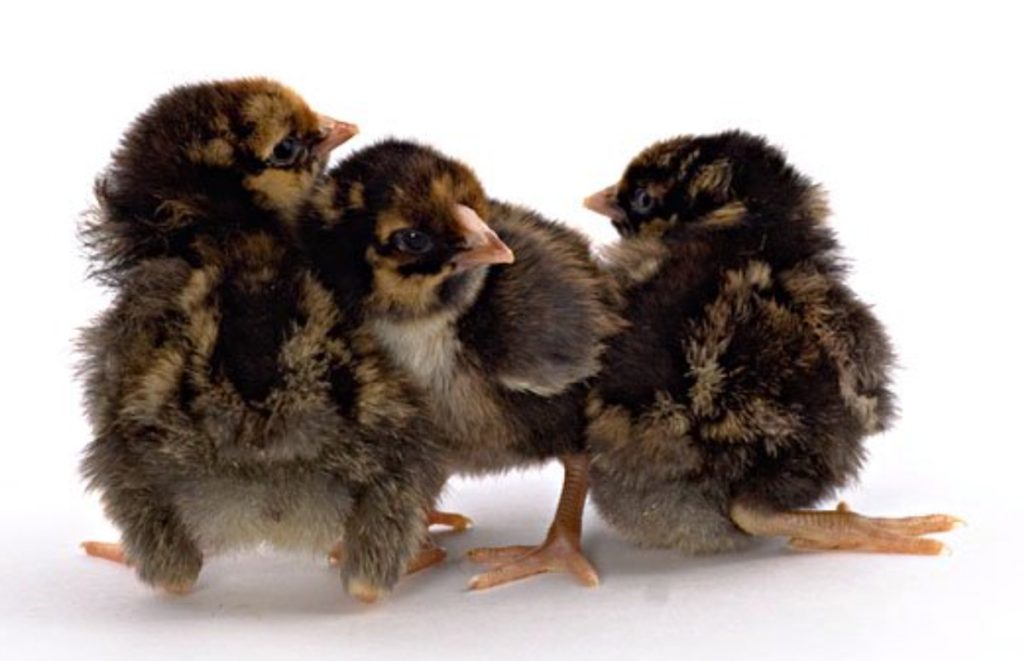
(529, 343)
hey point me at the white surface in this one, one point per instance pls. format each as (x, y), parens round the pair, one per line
(911, 117)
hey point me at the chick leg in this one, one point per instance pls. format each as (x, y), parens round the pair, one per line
(385, 532)
(560, 551)
(845, 530)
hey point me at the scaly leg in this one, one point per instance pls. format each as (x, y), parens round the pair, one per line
(560, 551)
(845, 530)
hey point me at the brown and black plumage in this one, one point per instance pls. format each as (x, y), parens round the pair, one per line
(233, 401)
(502, 349)
(751, 374)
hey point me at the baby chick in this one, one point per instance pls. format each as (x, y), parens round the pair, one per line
(501, 346)
(233, 402)
(751, 374)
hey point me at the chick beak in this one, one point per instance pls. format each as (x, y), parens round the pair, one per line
(334, 133)
(604, 203)
(482, 245)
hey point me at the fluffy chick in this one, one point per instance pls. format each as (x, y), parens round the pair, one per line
(751, 375)
(233, 402)
(499, 315)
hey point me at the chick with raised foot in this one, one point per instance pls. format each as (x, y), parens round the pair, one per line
(497, 314)
(751, 374)
(233, 402)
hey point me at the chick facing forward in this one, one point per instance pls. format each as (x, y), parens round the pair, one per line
(499, 316)
(232, 400)
(751, 375)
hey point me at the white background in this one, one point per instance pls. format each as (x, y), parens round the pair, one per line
(911, 116)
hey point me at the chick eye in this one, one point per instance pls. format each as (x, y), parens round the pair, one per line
(286, 152)
(642, 202)
(413, 242)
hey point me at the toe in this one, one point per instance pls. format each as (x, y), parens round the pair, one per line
(177, 588)
(878, 543)
(427, 557)
(456, 522)
(106, 550)
(498, 553)
(336, 555)
(363, 591)
(507, 573)
(919, 525)
(584, 572)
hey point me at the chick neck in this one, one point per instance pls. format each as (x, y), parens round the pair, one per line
(427, 344)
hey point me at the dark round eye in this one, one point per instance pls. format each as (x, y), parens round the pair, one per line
(642, 201)
(413, 242)
(286, 152)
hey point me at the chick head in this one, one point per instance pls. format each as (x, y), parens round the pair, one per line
(229, 150)
(716, 181)
(413, 221)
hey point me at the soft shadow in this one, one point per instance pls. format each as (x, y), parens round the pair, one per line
(615, 556)
(254, 586)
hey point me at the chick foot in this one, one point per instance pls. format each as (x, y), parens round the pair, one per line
(845, 530)
(430, 554)
(560, 551)
(114, 552)
(456, 522)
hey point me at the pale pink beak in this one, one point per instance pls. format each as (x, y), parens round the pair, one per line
(482, 245)
(335, 133)
(604, 203)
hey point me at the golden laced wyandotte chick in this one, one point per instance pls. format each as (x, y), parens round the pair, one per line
(233, 402)
(501, 345)
(751, 374)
